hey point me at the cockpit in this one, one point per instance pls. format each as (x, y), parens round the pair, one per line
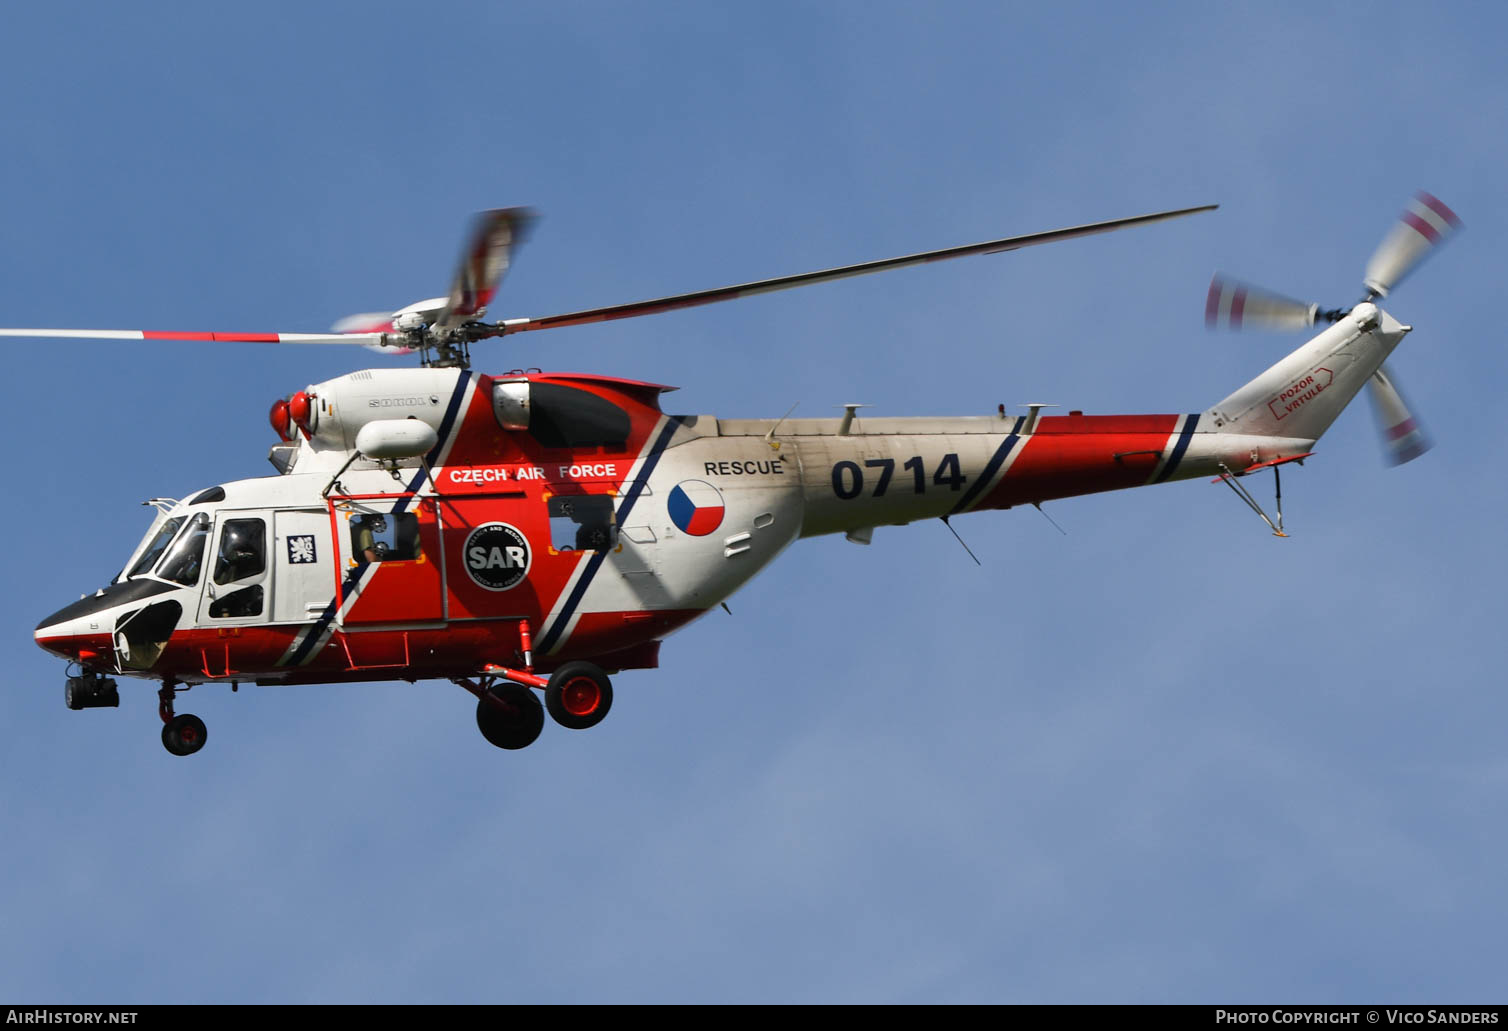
(173, 549)
(134, 615)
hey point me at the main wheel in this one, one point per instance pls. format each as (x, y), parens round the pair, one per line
(184, 734)
(579, 695)
(514, 719)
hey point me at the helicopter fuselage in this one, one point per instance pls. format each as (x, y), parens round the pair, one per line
(554, 517)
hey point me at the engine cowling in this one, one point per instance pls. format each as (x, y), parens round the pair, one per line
(339, 408)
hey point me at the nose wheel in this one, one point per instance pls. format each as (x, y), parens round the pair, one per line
(184, 733)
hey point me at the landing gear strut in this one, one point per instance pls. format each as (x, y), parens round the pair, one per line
(182, 734)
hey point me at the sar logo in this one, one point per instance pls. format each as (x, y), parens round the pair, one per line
(497, 556)
(696, 507)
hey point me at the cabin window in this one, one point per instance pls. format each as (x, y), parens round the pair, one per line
(243, 550)
(185, 560)
(384, 537)
(582, 522)
(245, 602)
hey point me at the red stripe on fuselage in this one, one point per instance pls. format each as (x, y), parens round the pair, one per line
(1076, 454)
(458, 649)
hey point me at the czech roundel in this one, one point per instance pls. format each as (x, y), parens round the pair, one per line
(696, 507)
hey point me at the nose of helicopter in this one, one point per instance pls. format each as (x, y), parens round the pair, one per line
(79, 636)
(85, 630)
(82, 631)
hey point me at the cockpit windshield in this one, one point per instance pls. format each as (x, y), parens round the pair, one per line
(159, 541)
(183, 563)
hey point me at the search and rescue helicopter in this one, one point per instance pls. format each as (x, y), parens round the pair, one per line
(537, 531)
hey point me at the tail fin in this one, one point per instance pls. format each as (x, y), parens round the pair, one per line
(1303, 394)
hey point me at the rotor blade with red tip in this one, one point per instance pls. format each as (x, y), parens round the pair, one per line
(728, 293)
(1235, 305)
(365, 339)
(488, 251)
(1425, 224)
(1403, 439)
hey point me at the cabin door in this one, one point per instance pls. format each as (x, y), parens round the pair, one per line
(238, 580)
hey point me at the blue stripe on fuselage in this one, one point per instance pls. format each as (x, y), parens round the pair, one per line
(1178, 449)
(552, 635)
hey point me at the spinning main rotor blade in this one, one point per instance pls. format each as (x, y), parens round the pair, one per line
(366, 339)
(1235, 305)
(728, 293)
(488, 251)
(1403, 440)
(1424, 225)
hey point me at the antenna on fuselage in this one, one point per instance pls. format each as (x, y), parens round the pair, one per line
(769, 438)
(1038, 506)
(960, 540)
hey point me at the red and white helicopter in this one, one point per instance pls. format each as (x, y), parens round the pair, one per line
(537, 531)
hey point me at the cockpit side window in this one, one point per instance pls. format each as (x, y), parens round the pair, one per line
(154, 550)
(243, 550)
(185, 561)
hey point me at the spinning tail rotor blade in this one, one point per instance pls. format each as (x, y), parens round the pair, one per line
(489, 250)
(728, 293)
(1402, 438)
(1425, 224)
(1235, 305)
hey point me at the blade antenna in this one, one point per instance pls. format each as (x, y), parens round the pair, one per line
(1038, 506)
(960, 540)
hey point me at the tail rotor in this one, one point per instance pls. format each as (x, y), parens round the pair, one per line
(1403, 439)
(1424, 225)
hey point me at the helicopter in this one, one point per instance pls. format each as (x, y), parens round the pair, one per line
(529, 535)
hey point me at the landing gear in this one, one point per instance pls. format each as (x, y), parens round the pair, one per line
(181, 734)
(510, 716)
(184, 735)
(508, 712)
(579, 695)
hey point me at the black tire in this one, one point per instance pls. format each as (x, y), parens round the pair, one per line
(73, 695)
(513, 719)
(184, 734)
(579, 695)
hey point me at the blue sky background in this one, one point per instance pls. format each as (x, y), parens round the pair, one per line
(1164, 758)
